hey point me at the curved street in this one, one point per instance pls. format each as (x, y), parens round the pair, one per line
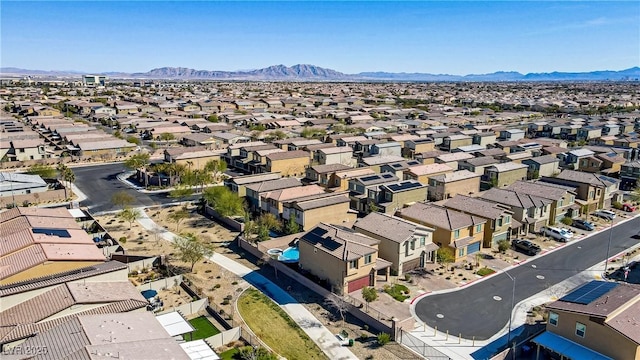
(473, 310)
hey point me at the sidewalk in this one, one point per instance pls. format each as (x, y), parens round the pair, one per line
(325, 340)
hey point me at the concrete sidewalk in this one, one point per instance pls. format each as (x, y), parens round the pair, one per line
(309, 323)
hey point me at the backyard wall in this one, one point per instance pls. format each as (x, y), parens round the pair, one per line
(36, 198)
(232, 224)
(191, 308)
(224, 337)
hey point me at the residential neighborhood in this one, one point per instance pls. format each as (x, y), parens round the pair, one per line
(327, 193)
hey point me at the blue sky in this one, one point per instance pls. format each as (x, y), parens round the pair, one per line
(451, 37)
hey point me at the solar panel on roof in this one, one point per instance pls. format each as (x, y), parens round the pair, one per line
(387, 176)
(589, 292)
(369, 178)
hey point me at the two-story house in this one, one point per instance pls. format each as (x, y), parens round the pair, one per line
(529, 210)
(345, 260)
(288, 163)
(597, 320)
(364, 191)
(238, 184)
(593, 191)
(393, 196)
(422, 173)
(505, 174)
(562, 197)
(499, 217)
(461, 232)
(321, 174)
(255, 190)
(546, 165)
(309, 211)
(273, 201)
(407, 245)
(629, 174)
(448, 185)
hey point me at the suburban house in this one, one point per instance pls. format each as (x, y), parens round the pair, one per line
(484, 138)
(194, 158)
(106, 148)
(562, 197)
(451, 142)
(597, 320)
(452, 159)
(309, 211)
(238, 184)
(365, 191)
(505, 174)
(629, 174)
(512, 134)
(391, 148)
(12, 184)
(422, 173)
(394, 196)
(336, 155)
(41, 242)
(375, 162)
(345, 260)
(321, 174)
(255, 190)
(288, 163)
(407, 245)
(26, 149)
(499, 217)
(529, 210)
(340, 179)
(478, 164)
(448, 185)
(593, 191)
(398, 168)
(273, 201)
(461, 232)
(417, 146)
(546, 165)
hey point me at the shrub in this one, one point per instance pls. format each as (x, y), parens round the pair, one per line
(567, 220)
(485, 271)
(503, 245)
(407, 277)
(383, 339)
(616, 205)
(398, 292)
(122, 239)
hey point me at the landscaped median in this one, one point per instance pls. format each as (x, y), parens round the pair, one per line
(275, 328)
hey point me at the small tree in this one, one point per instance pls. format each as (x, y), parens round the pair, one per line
(567, 220)
(255, 353)
(445, 256)
(191, 249)
(122, 199)
(178, 216)
(129, 215)
(292, 226)
(267, 222)
(338, 304)
(166, 137)
(139, 161)
(503, 246)
(213, 118)
(369, 294)
(383, 339)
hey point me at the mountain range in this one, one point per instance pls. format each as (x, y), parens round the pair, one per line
(305, 72)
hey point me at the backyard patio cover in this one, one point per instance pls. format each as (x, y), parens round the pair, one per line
(567, 348)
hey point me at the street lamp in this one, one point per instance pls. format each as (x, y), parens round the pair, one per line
(513, 298)
(606, 260)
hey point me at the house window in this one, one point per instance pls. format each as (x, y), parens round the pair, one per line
(353, 264)
(591, 194)
(413, 244)
(367, 259)
(580, 329)
(422, 240)
(461, 252)
(478, 228)
(507, 219)
(561, 202)
(499, 222)
(553, 318)
(456, 234)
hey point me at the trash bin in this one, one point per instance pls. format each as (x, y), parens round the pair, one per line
(350, 342)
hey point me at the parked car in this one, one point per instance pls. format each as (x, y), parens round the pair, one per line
(605, 214)
(629, 208)
(636, 236)
(583, 224)
(525, 246)
(558, 234)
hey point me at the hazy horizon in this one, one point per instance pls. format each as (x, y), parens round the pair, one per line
(456, 38)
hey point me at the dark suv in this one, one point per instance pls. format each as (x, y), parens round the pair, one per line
(583, 224)
(525, 246)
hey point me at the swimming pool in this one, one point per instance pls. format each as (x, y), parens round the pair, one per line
(290, 254)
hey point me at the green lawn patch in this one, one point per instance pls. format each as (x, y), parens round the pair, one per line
(204, 328)
(485, 271)
(397, 291)
(228, 355)
(273, 326)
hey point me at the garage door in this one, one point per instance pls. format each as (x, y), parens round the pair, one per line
(410, 265)
(473, 248)
(358, 284)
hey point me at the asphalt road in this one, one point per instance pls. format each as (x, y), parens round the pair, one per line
(99, 183)
(472, 311)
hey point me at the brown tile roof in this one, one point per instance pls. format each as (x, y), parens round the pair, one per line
(339, 242)
(514, 198)
(476, 206)
(622, 295)
(288, 155)
(21, 260)
(294, 192)
(439, 216)
(276, 184)
(627, 322)
(389, 227)
(543, 190)
(329, 168)
(320, 200)
(38, 307)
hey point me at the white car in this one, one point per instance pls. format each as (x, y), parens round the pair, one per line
(558, 234)
(605, 214)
